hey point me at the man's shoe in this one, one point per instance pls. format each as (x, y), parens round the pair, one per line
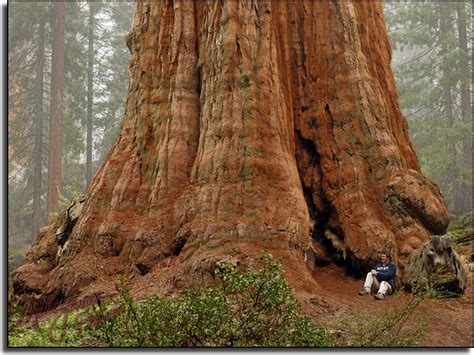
(379, 296)
(364, 291)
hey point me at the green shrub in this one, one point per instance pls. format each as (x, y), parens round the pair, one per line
(61, 331)
(255, 308)
(250, 309)
(20, 336)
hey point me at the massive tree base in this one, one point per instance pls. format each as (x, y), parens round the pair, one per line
(249, 126)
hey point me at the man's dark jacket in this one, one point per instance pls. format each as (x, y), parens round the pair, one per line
(386, 273)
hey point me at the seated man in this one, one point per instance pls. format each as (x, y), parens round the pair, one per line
(381, 278)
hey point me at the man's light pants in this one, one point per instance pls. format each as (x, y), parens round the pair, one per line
(373, 284)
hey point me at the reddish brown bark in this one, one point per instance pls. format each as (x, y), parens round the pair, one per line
(56, 106)
(249, 125)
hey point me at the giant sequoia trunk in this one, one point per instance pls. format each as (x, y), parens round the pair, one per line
(249, 125)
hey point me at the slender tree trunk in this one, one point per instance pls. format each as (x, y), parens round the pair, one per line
(90, 94)
(452, 164)
(249, 125)
(38, 158)
(466, 108)
(56, 106)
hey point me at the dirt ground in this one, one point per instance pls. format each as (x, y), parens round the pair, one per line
(447, 322)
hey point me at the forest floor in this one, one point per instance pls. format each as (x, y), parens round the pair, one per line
(446, 322)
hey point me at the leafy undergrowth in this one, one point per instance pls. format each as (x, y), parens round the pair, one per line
(255, 308)
(67, 330)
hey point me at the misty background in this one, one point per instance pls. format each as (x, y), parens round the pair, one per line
(78, 48)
